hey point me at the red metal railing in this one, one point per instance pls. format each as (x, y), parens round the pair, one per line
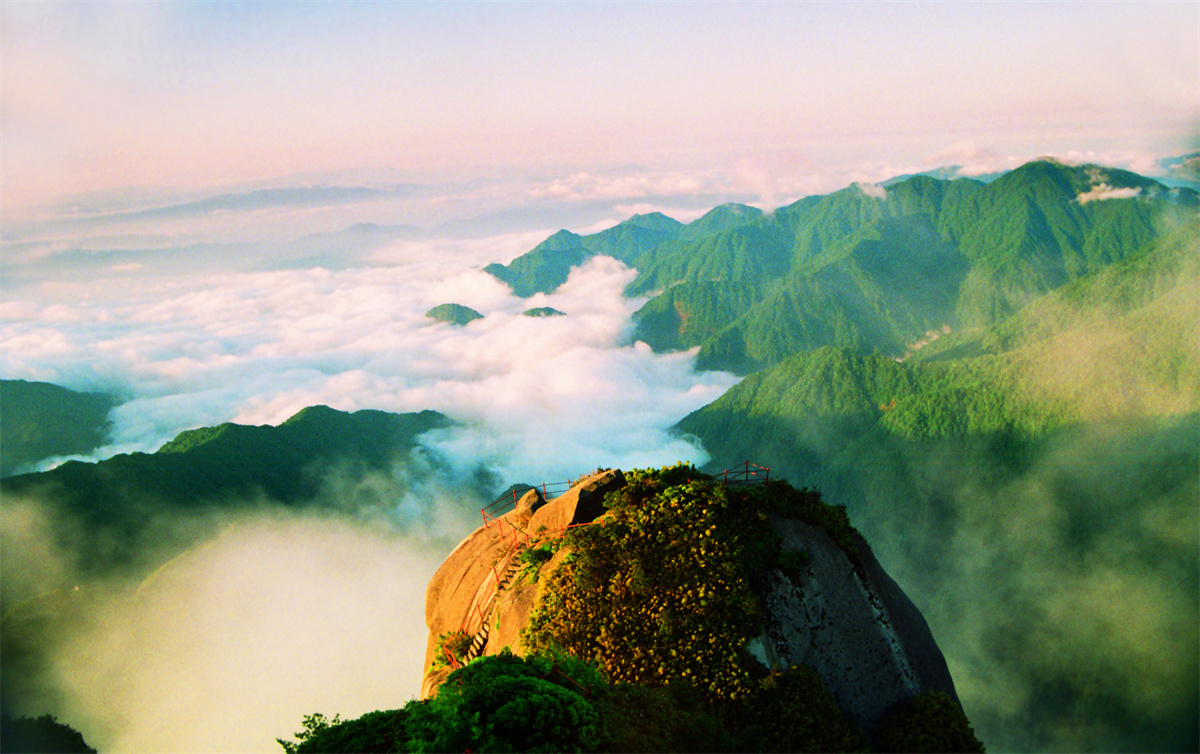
(747, 473)
(494, 514)
(508, 500)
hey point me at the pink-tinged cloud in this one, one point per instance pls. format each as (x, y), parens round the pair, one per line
(873, 190)
(973, 159)
(1104, 192)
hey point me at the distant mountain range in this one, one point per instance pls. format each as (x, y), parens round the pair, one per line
(870, 268)
(39, 421)
(1000, 381)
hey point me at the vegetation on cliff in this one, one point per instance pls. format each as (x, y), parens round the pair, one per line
(553, 702)
(637, 642)
(666, 589)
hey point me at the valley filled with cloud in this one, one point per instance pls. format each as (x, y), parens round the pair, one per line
(232, 212)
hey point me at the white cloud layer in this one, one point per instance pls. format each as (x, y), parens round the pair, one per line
(280, 617)
(1103, 192)
(540, 396)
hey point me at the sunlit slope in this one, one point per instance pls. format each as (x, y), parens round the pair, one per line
(1036, 485)
(1120, 342)
(872, 269)
(547, 265)
(40, 421)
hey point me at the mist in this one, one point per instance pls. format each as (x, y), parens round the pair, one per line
(227, 626)
(1061, 576)
(254, 348)
(1064, 594)
(232, 642)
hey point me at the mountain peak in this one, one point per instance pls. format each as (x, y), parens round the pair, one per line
(454, 314)
(569, 586)
(721, 218)
(560, 241)
(655, 221)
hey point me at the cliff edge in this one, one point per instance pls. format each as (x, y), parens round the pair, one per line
(666, 576)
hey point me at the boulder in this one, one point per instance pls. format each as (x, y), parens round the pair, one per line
(477, 582)
(462, 589)
(851, 623)
(837, 613)
(581, 504)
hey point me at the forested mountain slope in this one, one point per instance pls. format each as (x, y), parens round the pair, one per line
(1036, 483)
(869, 268)
(873, 269)
(40, 421)
(547, 265)
(103, 511)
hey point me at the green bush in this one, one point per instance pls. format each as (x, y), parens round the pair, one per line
(797, 713)
(532, 559)
(497, 703)
(40, 735)
(662, 591)
(455, 643)
(554, 702)
(929, 722)
(637, 718)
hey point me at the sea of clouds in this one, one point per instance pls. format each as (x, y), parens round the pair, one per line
(210, 329)
(247, 304)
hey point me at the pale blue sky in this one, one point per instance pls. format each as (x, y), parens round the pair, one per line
(100, 94)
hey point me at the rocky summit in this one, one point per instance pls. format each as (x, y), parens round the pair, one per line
(476, 591)
(801, 585)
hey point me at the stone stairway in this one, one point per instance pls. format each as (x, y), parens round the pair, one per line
(479, 640)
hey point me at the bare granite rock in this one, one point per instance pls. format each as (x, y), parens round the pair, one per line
(852, 624)
(475, 590)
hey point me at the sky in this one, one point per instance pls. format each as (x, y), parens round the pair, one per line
(231, 211)
(102, 95)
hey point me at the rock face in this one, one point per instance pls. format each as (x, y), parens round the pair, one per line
(842, 616)
(851, 623)
(474, 590)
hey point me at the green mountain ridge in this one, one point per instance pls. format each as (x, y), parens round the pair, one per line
(874, 272)
(1016, 473)
(869, 268)
(117, 520)
(123, 498)
(39, 421)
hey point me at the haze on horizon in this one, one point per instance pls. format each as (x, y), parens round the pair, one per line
(230, 211)
(775, 96)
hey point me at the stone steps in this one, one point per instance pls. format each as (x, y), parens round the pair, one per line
(479, 640)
